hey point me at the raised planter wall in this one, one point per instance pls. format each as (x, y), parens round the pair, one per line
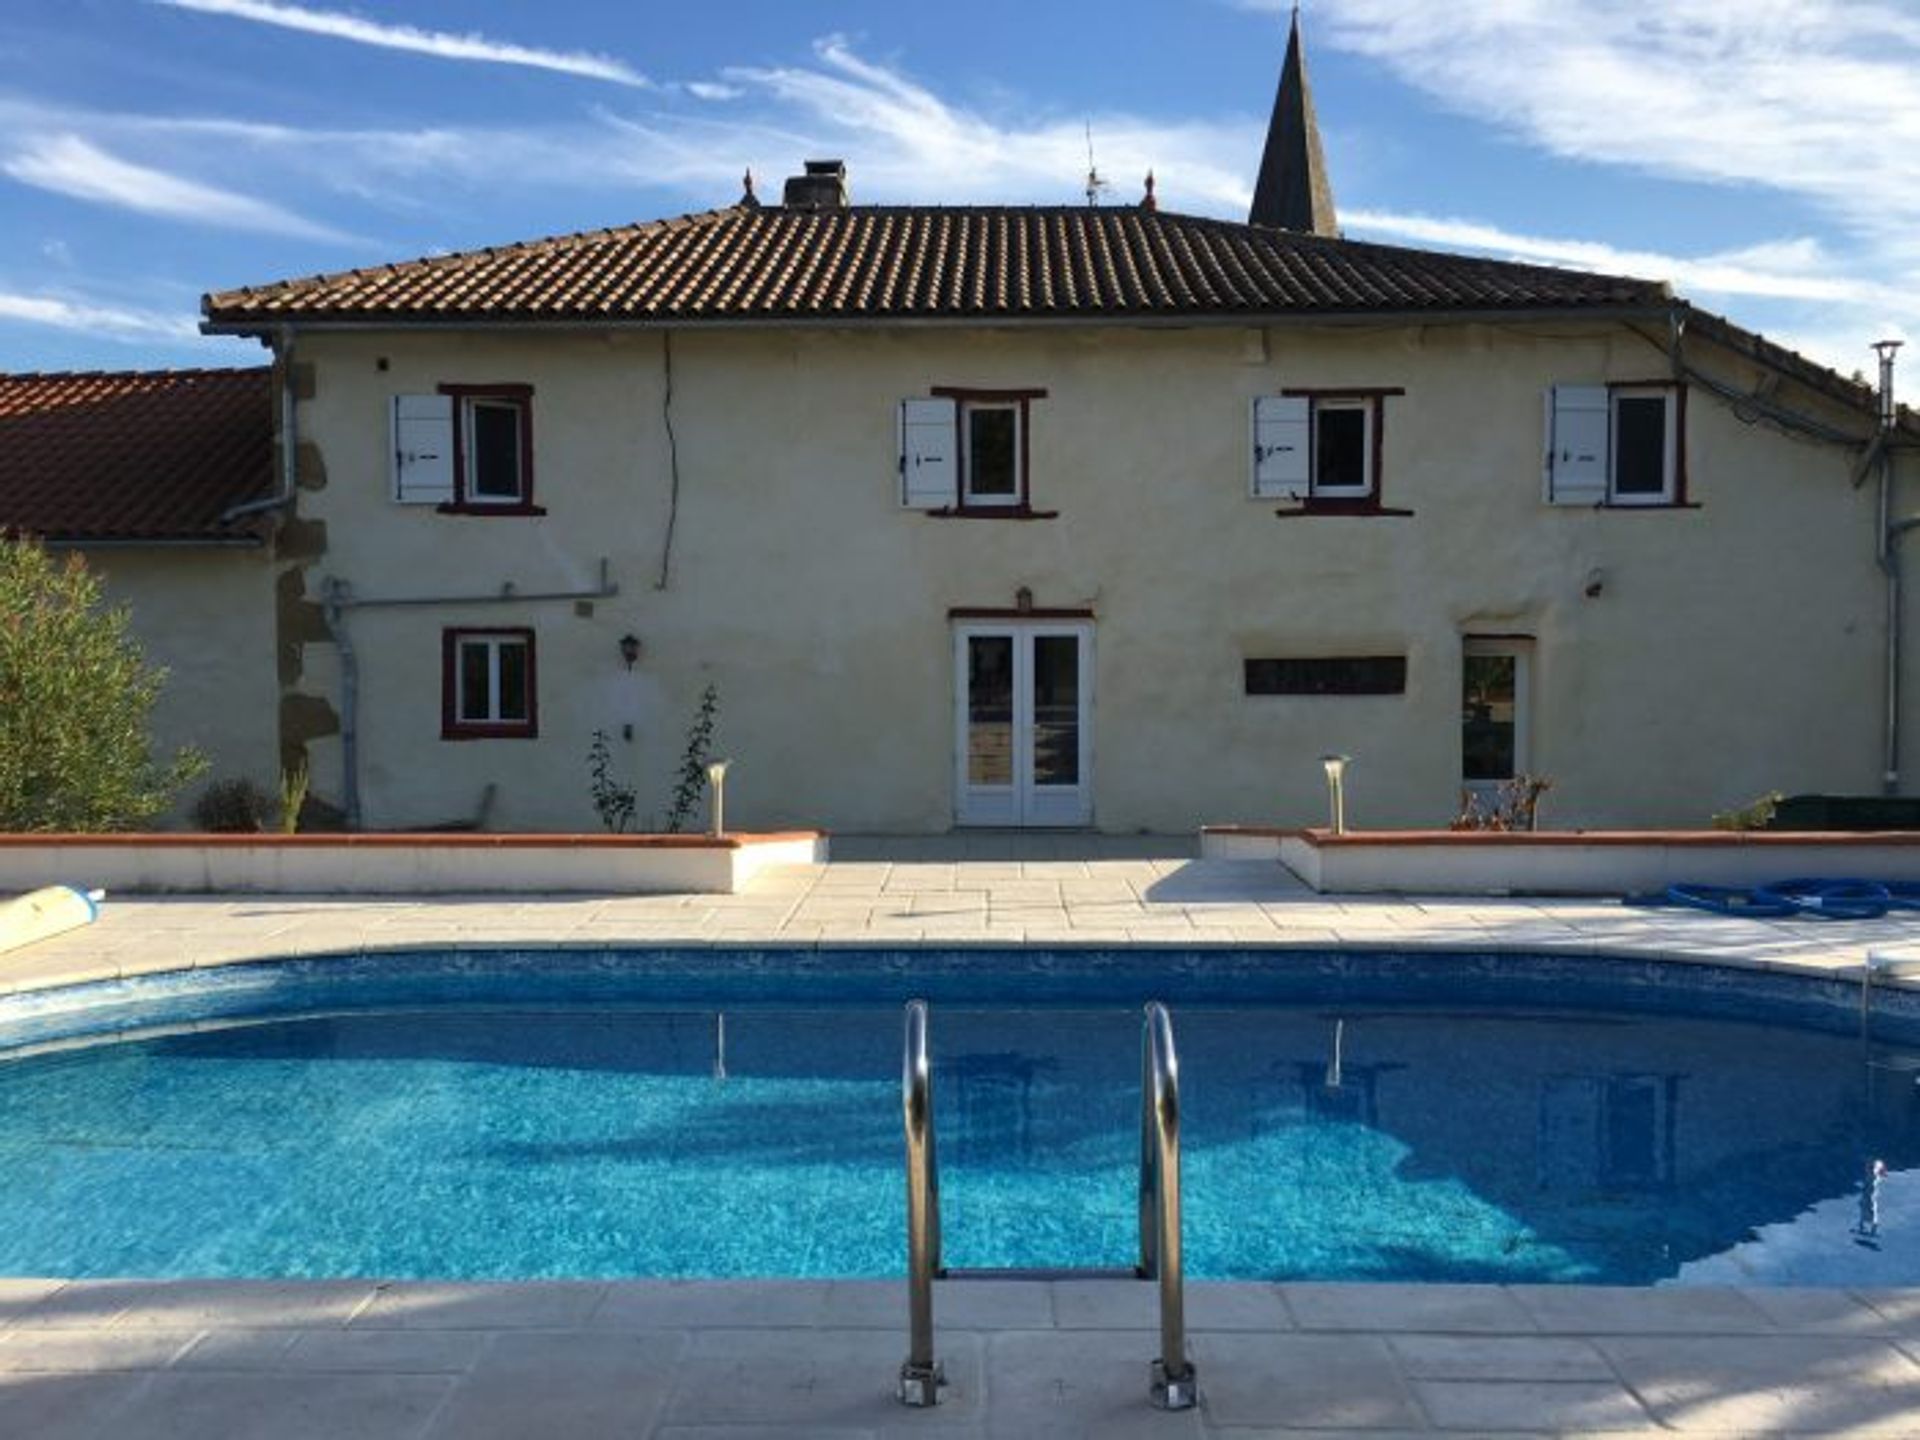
(1595, 862)
(400, 864)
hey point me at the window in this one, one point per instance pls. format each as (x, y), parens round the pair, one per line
(1617, 445)
(1334, 675)
(1495, 711)
(1321, 450)
(487, 685)
(964, 453)
(467, 450)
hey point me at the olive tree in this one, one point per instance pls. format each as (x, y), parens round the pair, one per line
(75, 695)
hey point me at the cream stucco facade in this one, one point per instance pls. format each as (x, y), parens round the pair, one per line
(205, 615)
(1683, 659)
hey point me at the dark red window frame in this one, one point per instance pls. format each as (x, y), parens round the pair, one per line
(521, 398)
(1022, 508)
(1370, 503)
(452, 727)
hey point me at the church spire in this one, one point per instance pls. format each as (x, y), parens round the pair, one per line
(1292, 191)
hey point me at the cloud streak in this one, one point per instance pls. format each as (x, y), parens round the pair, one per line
(443, 45)
(69, 165)
(87, 317)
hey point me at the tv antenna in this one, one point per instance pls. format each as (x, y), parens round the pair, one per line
(1095, 183)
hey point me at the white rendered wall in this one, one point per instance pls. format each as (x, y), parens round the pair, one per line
(1733, 648)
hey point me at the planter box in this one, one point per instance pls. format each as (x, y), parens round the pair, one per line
(401, 864)
(1552, 862)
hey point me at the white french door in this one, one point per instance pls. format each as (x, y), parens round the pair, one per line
(1024, 722)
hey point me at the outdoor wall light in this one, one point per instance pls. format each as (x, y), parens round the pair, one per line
(630, 648)
(1336, 766)
(717, 782)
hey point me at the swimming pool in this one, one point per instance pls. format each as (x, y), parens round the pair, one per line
(519, 1114)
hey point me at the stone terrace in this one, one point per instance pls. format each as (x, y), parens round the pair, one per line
(709, 1360)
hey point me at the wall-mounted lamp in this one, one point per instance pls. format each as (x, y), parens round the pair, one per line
(1336, 767)
(630, 648)
(717, 784)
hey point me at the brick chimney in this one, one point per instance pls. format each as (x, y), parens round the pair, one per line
(822, 187)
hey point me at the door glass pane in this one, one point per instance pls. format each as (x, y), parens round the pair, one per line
(1640, 445)
(991, 438)
(1056, 710)
(513, 680)
(476, 680)
(1487, 724)
(990, 710)
(496, 451)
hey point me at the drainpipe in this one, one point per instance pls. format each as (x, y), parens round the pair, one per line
(337, 597)
(289, 436)
(333, 603)
(1890, 536)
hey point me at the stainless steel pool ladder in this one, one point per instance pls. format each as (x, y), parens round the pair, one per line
(1173, 1383)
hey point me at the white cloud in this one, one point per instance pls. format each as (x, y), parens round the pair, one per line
(339, 25)
(1782, 270)
(70, 165)
(709, 90)
(117, 322)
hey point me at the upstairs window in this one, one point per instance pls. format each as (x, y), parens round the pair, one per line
(1320, 450)
(467, 450)
(487, 685)
(1618, 445)
(964, 453)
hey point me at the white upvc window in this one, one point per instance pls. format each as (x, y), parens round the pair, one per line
(487, 684)
(467, 449)
(1615, 445)
(1318, 447)
(964, 452)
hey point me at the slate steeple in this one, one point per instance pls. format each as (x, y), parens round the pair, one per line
(1292, 191)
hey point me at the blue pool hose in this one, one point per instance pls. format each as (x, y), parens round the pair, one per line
(1779, 899)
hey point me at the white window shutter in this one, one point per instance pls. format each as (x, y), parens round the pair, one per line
(423, 449)
(1282, 436)
(1577, 459)
(929, 466)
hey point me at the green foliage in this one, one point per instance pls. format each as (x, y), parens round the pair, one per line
(612, 801)
(293, 796)
(1755, 815)
(232, 807)
(692, 782)
(75, 695)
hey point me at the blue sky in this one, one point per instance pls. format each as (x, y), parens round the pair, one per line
(1764, 156)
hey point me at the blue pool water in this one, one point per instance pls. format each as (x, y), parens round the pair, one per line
(521, 1134)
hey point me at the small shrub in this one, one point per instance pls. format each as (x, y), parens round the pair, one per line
(1755, 815)
(692, 782)
(293, 797)
(76, 694)
(1512, 807)
(232, 807)
(612, 802)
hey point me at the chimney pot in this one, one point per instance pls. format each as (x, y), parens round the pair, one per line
(823, 186)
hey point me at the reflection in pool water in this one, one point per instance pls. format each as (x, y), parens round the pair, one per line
(1332, 1143)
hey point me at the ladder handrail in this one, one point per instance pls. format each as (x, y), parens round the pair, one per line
(920, 1375)
(1160, 1256)
(1173, 1385)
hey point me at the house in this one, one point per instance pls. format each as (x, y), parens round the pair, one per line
(157, 479)
(1066, 516)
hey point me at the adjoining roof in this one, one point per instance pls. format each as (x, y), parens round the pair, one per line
(879, 264)
(1293, 190)
(153, 456)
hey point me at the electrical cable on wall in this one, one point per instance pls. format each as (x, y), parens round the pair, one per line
(673, 460)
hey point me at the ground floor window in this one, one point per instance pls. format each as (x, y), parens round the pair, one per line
(1494, 710)
(487, 685)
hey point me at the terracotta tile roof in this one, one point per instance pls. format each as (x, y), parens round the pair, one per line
(135, 455)
(881, 263)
